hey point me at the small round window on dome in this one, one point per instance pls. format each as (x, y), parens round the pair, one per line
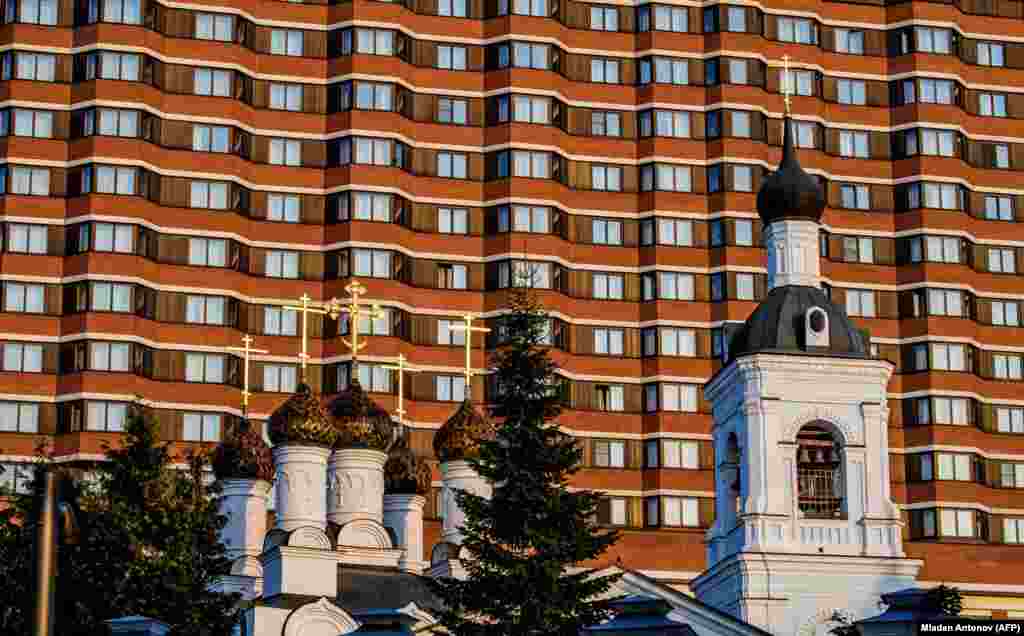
(817, 320)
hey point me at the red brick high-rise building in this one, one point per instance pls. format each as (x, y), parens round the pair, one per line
(175, 172)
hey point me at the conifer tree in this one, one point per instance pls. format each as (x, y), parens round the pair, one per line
(148, 545)
(525, 537)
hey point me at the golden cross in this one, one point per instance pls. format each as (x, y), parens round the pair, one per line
(246, 351)
(787, 82)
(401, 367)
(306, 308)
(355, 311)
(468, 329)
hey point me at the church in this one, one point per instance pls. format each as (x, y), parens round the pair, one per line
(804, 522)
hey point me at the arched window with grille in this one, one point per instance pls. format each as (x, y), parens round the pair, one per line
(820, 485)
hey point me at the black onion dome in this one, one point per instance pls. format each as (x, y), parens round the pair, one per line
(460, 436)
(405, 473)
(301, 420)
(789, 192)
(777, 326)
(359, 422)
(243, 455)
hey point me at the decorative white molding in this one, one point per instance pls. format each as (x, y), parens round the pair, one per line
(309, 537)
(320, 618)
(851, 434)
(364, 533)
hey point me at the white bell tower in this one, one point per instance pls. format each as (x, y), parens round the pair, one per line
(804, 521)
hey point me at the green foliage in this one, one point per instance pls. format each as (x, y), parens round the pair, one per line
(148, 546)
(532, 528)
(945, 600)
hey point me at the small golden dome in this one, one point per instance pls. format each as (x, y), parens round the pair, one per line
(359, 422)
(301, 420)
(404, 472)
(243, 455)
(461, 435)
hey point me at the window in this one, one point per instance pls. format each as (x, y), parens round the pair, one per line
(673, 511)
(106, 416)
(373, 263)
(452, 276)
(931, 91)
(858, 249)
(111, 121)
(531, 110)
(853, 144)
(371, 42)
(744, 286)
(38, 11)
(992, 105)
(950, 411)
(452, 111)
(930, 40)
(948, 357)
(607, 178)
(536, 165)
(666, 71)
(285, 152)
(605, 123)
(742, 179)
(201, 427)
(368, 151)
(852, 92)
(211, 138)
(953, 467)
(617, 507)
(609, 454)
(674, 397)
(945, 303)
(448, 336)
(452, 58)
(1005, 313)
(1006, 366)
(286, 97)
(282, 264)
(797, 82)
(607, 232)
(1001, 157)
(215, 82)
(740, 124)
(33, 123)
(608, 341)
(670, 19)
(991, 54)
(19, 417)
(380, 326)
(860, 302)
(675, 286)
(208, 194)
(27, 239)
(530, 7)
(1009, 419)
(673, 341)
(672, 453)
(35, 181)
(23, 358)
(943, 196)
(608, 286)
(737, 71)
(205, 310)
(202, 367)
(452, 165)
(1013, 530)
(215, 26)
(610, 397)
(524, 274)
(286, 42)
(283, 207)
(111, 297)
(675, 232)
(849, 41)
(108, 180)
(207, 252)
(450, 388)
(279, 378)
(665, 123)
(109, 356)
(530, 55)
(604, 18)
(524, 218)
(667, 177)
(24, 298)
(453, 220)
(38, 66)
(737, 19)
(453, 8)
(1011, 475)
(1002, 260)
(799, 30)
(280, 322)
(856, 197)
(604, 71)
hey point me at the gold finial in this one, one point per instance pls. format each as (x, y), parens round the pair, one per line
(308, 307)
(468, 328)
(401, 367)
(246, 352)
(355, 311)
(787, 83)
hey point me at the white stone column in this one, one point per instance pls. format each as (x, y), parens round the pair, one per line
(301, 481)
(458, 475)
(355, 485)
(244, 503)
(793, 253)
(404, 515)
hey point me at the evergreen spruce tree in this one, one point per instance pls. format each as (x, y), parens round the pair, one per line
(532, 529)
(148, 545)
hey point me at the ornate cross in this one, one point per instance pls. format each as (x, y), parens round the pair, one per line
(787, 82)
(246, 351)
(468, 328)
(401, 367)
(308, 307)
(355, 311)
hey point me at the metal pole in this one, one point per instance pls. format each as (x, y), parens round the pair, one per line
(46, 552)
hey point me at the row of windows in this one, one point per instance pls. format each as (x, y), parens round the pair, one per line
(964, 467)
(963, 523)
